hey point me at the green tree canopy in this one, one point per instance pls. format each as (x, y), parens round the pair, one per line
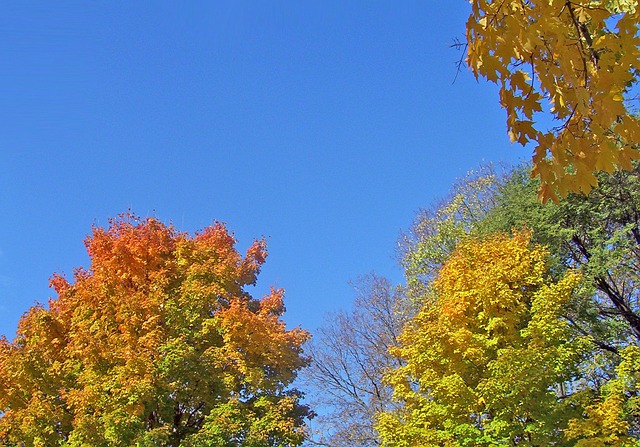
(596, 235)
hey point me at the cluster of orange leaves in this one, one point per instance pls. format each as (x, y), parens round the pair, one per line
(147, 343)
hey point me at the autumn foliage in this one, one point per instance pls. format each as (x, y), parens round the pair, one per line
(157, 343)
(489, 359)
(525, 337)
(576, 61)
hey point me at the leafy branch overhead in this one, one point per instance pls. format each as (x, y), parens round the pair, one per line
(575, 61)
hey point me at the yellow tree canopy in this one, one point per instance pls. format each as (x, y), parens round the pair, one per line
(576, 60)
(489, 360)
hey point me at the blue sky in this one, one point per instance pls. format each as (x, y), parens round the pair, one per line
(323, 126)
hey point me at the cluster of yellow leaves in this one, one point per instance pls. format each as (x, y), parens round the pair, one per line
(607, 418)
(487, 356)
(581, 59)
(156, 336)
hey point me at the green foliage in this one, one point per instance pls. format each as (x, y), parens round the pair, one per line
(615, 414)
(596, 235)
(437, 230)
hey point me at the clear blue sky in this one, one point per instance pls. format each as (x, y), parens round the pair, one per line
(323, 126)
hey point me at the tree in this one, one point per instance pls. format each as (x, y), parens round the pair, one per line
(157, 343)
(578, 61)
(598, 233)
(437, 230)
(612, 420)
(489, 359)
(349, 357)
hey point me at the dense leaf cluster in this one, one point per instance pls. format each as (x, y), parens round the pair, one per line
(576, 61)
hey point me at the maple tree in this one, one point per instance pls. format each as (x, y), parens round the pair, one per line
(489, 358)
(437, 230)
(596, 234)
(613, 419)
(157, 343)
(578, 61)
